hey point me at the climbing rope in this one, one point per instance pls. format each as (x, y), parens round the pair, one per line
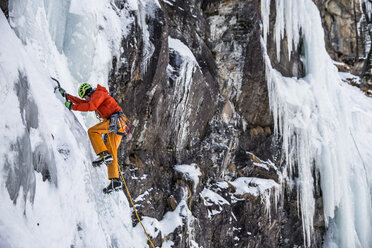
(130, 198)
(360, 155)
(135, 210)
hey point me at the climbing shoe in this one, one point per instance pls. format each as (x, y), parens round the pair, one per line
(103, 158)
(115, 184)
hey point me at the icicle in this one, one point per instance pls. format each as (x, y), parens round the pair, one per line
(265, 9)
(314, 116)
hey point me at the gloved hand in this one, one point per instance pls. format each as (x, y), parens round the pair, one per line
(68, 104)
(63, 92)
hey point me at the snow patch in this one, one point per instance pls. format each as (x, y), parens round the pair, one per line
(191, 171)
(183, 82)
(211, 198)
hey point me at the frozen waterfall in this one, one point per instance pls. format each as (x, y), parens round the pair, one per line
(50, 193)
(326, 128)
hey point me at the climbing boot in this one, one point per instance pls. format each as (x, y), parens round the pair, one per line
(115, 184)
(103, 158)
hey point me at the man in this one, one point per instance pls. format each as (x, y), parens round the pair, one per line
(114, 124)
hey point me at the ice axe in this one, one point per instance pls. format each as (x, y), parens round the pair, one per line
(59, 85)
(59, 88)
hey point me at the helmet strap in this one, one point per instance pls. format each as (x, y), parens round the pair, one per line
(89, 92)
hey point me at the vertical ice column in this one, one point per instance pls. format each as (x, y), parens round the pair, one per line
(79, 44)
(314, 116)
(56, 14)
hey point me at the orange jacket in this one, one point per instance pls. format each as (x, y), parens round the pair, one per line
(100, 101)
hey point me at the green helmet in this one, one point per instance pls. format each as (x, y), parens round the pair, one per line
(84, 89)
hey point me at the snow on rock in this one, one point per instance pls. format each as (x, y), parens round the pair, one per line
(169, 223)
(211, 198)
(263, 164)
(253, 186)
(190, 171)
(240, 189)
(182, 49)
(187, 66)
(349, 78)
(180, 217)
(265, 188)
(145, 9)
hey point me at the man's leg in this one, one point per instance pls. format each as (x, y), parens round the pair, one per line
(113, 142)
(95, 137)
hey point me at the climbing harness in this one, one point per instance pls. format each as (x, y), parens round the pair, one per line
(118, 120)
(130, 198)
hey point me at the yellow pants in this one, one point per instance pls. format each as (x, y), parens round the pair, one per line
(112, 144)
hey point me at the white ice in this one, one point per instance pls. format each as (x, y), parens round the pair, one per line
(41, 40)
(183, 83)
(326, 127)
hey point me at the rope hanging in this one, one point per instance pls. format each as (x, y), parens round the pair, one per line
(130, 198)
(135, 210)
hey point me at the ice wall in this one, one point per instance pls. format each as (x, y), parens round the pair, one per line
(82, 34)
(326, 127)
(50, 194)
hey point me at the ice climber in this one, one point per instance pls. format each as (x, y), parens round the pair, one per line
(115, 124)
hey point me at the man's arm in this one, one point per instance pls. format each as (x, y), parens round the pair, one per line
(95, 101)
(74, 99)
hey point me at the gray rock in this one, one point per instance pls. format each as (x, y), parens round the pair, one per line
(4, 7)
(218, 119)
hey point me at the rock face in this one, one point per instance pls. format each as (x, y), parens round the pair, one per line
(339, 21)
(4, 7)
(191, 78)
(347, 29)
(287, 65)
